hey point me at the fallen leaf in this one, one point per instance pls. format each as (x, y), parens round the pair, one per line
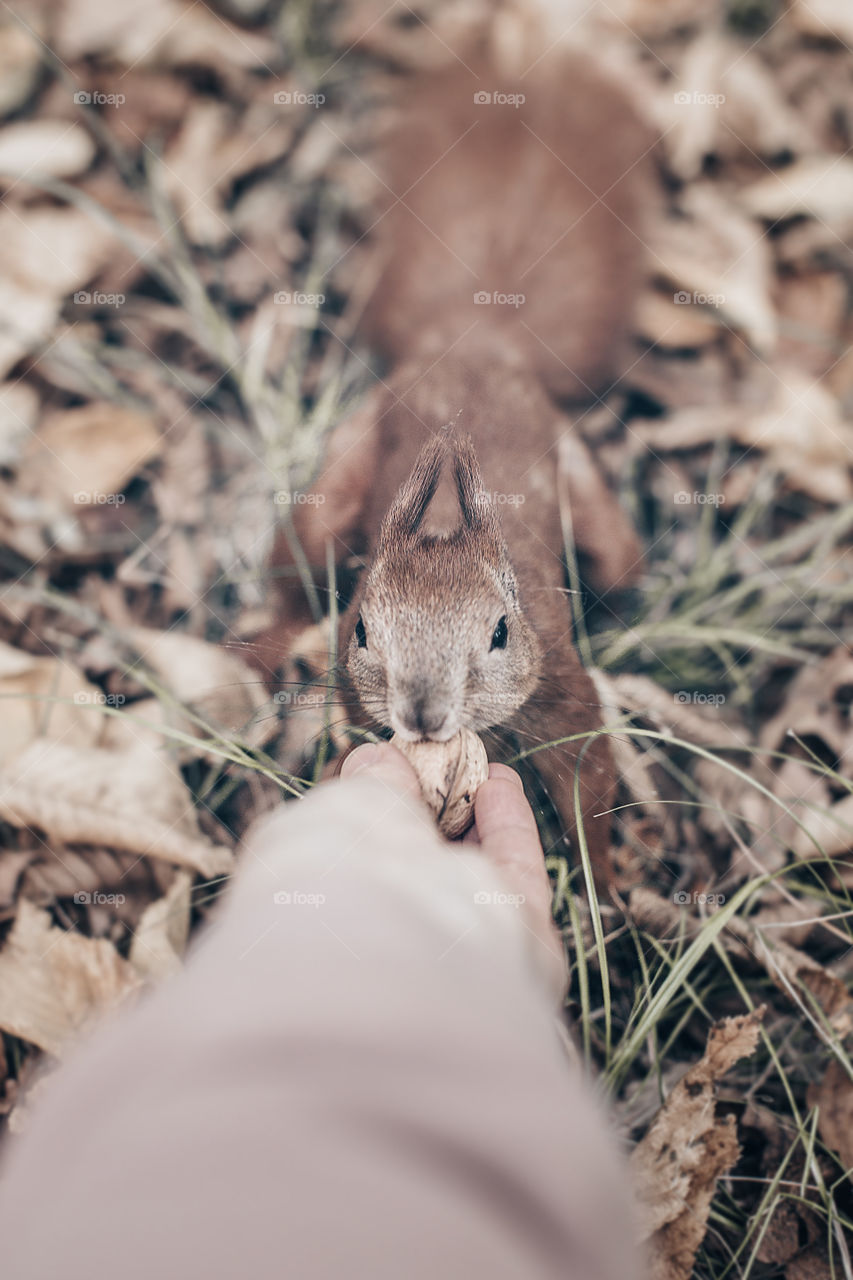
(158, 32)
(833, 1097)
(214, 683)
(39, 148)
(85, 456)
(822, 19)
(133, 800)
(45, 697)
(687, 1148)
(160, 938)
(54, 982)
(818, 186)
(20, 64)
(42, 259)
(801, 431)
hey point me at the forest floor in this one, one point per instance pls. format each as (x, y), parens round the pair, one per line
(182, 271)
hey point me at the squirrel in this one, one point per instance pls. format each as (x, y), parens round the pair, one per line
(509, 229)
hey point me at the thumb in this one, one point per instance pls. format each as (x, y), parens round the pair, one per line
(384, 762)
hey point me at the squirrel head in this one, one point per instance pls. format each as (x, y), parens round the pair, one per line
(441, 641)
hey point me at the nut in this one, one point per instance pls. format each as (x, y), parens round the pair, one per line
(450, 774)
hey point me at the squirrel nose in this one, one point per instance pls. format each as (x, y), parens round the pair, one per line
(418, 717)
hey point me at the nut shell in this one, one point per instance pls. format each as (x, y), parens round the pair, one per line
(450, 774)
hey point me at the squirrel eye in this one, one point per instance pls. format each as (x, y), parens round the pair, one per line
(499, 635)
(360, 634)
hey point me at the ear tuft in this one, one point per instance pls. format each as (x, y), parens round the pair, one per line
(408, 509)
(478, 513)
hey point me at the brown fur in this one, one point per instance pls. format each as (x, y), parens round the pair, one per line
(539, 200)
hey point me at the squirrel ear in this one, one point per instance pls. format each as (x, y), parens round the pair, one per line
(478, 513)
(409, 507)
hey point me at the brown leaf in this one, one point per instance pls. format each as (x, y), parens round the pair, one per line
(160, 937)
(40, 148)
(85, 456)
(678, 1162)
(133, 800)
(42, 259)
(53, 982)
(834, 1099)
(45, 697)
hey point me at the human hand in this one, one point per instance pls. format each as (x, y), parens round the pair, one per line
(504, 832)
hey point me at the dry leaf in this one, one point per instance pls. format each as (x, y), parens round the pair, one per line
(20, 63)
(85, 456)
(820, 187)
(209, 154)
(823, 18)
(42, 259)
(834, 1099)
(39, 148)
(28, 687)
(160, 938)
(158, 32)
(214, 682)
(801, 431)
(133, 800)
(54, 982)
(677, 1164)
(717, 262)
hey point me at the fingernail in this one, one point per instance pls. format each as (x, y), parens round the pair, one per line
(367, 756)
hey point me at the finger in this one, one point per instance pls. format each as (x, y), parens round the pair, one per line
(505, 772)
(500, 803)
(383, 761)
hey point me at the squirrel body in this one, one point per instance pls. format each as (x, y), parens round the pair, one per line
(511, 256)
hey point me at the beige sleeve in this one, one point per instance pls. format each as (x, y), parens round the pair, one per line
(356, 1076)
